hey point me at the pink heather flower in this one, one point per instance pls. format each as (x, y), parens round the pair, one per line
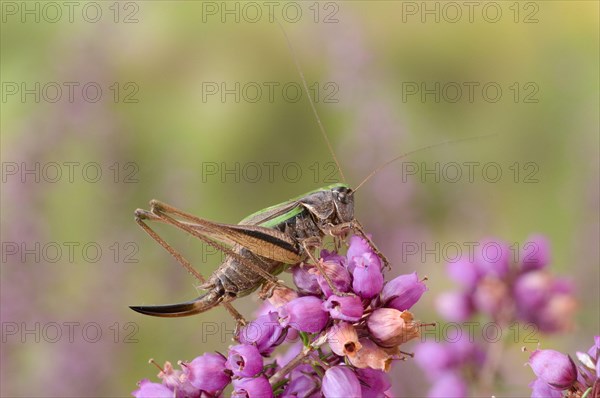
(244, 360)
(492, 256)
(333, 256)
(304, 314)
(464, 272)
(305, 279)
(152, 390)
(338, 274)
(540, 389)
(304, 382)
(546, 301)
(265, 332)
(449, 385)
(434, 358)
(390, 327)
(206, 373)
(373, 383)
(257, 387)
(367, 277)
(403, 291)
(594, 350)
(340, 381)
(343, 339)
(454, 306)
(554, 368)
(177, 381)
(532, 290)
(346, 308)
(357, 248)
(535, 254)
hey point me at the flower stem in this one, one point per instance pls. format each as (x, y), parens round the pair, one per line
(278, 376)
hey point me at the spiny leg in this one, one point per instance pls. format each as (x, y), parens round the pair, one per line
(140, 215)
(311, 243)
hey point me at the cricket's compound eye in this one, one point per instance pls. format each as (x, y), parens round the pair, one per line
(343, 195)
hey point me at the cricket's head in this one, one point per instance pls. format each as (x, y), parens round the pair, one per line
(343, 198)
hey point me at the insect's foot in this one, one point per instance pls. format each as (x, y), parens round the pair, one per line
(141, 214)
(155, 206)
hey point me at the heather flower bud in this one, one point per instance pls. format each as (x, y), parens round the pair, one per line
(346, 308)
(532, 290)
(244, 360)
(340, 381)
(304, 383)
(177, 380)
(594, 350)
(449, 385)
(337, 273)
(403, 291)
(556, 315)
(152, 390)
(257, 387)
(265, 332)
(206, 373)
(343, 339)
(305, 279)
(554, 368)
(373, 383)
(493, 257)
(391, 327)
(434, 358)
(367, 277)
(281, 295)
(464, 272)
(356, 249)
(454, 306)
(304, 314)
(540, 389)
(371, 356)
(535, 254)
(491, 295)
(333, 256)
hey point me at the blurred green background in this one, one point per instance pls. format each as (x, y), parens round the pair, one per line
(155, 129)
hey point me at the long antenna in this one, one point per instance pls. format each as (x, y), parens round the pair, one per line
(310, 100)
(367, 178)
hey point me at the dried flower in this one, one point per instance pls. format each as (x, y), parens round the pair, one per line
(343, 339)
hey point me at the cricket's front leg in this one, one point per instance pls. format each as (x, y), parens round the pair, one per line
(355, 226)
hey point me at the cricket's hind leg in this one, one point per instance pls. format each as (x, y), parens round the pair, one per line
(140, 216)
